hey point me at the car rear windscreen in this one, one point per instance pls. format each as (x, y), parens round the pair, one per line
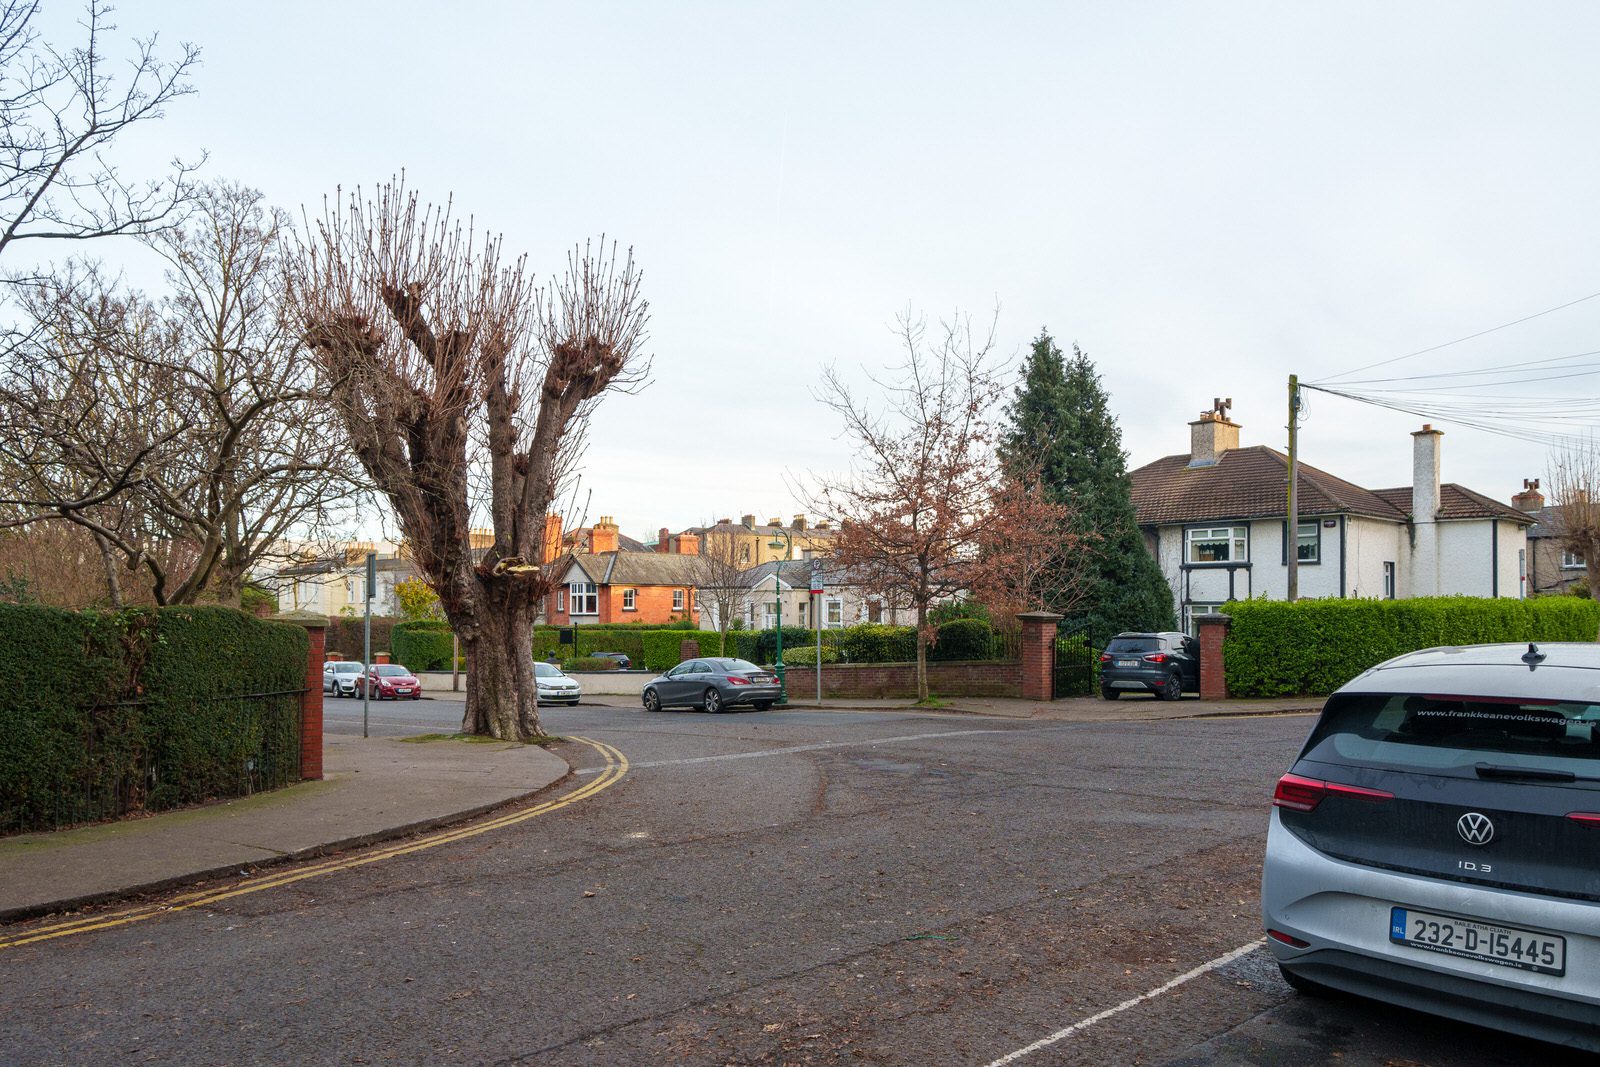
(1443, 733)
(737, 665)
(1134, 644)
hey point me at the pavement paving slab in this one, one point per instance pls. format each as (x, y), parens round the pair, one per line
(374, 789)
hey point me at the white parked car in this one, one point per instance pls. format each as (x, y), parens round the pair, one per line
(553, 686)
(340, 677)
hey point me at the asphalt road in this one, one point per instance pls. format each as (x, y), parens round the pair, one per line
(772, 888)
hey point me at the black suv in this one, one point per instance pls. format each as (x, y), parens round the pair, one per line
(1164, 664)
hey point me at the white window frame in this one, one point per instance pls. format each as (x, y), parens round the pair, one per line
(1193, 611)
(585, 595)
(1571, 561)
(1236, 537)
(630, 600)
(1391, 580)
(677, 599)
(561, 600)
(1313, 529)
(833, 613)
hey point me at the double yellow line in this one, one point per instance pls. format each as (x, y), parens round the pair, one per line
(616, 766)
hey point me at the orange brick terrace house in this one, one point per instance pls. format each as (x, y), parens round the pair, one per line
(610, 584)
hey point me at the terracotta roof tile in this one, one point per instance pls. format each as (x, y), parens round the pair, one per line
(1459, 502)
(1246, 483)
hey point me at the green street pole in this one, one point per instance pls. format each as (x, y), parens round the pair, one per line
(777, 591)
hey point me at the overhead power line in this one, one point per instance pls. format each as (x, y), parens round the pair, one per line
(1458, 340)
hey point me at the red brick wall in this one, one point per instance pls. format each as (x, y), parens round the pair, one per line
(311, 707)
(998, 678)
(1213, 678)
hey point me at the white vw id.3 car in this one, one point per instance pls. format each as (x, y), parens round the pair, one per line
(1436, 844)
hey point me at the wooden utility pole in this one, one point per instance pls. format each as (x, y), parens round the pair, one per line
(1293, 531)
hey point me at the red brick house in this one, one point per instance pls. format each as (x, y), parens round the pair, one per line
(610, 584)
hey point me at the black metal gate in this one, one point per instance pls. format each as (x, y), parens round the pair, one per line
(1076, 663)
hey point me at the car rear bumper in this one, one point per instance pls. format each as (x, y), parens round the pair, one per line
(751, 694)
(1133, 681)
(1342, 910)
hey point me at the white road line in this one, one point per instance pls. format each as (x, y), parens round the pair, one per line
(1084, 1024)
(817, 747)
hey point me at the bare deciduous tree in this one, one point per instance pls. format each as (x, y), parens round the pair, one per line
(184, 434)
(60, 110)
(924, 515)
(722, 579)
(1575, 493)
(463, 392)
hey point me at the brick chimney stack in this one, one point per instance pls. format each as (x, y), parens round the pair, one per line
(1530, 499)
(603, 538)
(1212, 434)
(552, 538)
(661, 540)
(686, 544)
(748, 520)
(799, 522)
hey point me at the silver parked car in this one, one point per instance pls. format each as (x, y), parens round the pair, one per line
(1436, 845)
(553, 686)
(713, 685)
(340, 677)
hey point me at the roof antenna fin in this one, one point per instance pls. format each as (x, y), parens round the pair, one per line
(1533, 657)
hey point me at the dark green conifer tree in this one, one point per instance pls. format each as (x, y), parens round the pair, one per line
(1060, 420)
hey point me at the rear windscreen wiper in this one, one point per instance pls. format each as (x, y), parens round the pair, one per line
(1531, 774)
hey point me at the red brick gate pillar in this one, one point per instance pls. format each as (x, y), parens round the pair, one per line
(1038, 654)
(311, 700)
(688, 649)
(1213, 676)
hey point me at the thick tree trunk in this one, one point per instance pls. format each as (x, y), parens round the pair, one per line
(501, 697)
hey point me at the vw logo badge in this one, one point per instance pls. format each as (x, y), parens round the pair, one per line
(1475, 829)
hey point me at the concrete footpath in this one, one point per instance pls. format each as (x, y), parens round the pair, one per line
(374, 789)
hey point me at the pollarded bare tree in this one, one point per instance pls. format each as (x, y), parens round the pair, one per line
(463, 392)
(60, 110)
(183, 434)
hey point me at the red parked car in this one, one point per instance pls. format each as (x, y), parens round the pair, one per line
(393, 681)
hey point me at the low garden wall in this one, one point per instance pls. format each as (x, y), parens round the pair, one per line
(112, 712)
(885, 681)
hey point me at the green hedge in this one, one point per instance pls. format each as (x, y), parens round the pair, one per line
(1315, 646)
(661, 646)
(424, 645)
(878, 643)
(142, 710)
(345, 635)
(963, 639)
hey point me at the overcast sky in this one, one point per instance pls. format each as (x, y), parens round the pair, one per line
(1205, 197)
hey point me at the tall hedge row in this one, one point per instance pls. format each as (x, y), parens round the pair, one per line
(110, 712)
(425, 645)
(1276, 648)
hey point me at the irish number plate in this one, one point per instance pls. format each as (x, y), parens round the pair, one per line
(1473, 940)
(1127, 663)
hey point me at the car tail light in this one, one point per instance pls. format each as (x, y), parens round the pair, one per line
(1156, 657)
(734, 679)
(1105, 657)
(1588, 818)
(1288, 939)
(1304, 794)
